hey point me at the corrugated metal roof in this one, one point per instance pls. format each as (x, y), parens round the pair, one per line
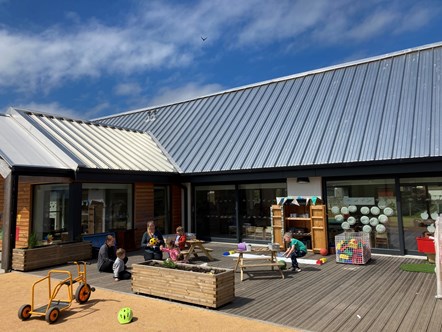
(18, 148)
(82, 144)
(383, 108)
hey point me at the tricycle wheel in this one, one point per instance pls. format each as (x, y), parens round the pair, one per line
(83, 293)
(24, 312)
(52, 315)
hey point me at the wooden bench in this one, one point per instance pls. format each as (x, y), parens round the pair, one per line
(197, 250)
(271, 261)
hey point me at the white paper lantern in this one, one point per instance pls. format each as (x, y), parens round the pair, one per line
(345, 225)
(351, 220)
(366, 229)
(380, 228)
(365, 220)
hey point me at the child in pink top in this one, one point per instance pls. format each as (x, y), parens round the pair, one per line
(172, 250)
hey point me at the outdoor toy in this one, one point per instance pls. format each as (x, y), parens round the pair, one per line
(323, 251)
(55, 305)
(125, 315)
(282, 264)
(153, 241)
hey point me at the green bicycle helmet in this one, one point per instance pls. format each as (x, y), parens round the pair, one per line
(125, 315)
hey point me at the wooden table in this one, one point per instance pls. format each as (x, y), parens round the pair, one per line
(196, 247)
(270, 261)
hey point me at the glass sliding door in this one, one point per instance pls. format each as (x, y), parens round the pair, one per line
(421, 200)
(215, 212)
(255, 201)
(162, 209)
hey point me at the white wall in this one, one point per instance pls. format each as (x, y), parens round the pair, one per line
(313, 188)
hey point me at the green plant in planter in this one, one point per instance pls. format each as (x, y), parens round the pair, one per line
(168, 263)
(32, 241)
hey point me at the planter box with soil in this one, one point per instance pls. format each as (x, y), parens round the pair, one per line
(202, 285)
(50, 255)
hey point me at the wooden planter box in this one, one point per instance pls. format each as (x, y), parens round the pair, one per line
(55, 254)
(206, 289)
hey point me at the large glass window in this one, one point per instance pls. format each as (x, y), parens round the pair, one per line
(106, 207)
(255, 201)
(364, 206)
(50, 213)
(421, 202)
(215, 211)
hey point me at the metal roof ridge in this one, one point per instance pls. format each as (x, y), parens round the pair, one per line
(61, 117)
(282, 78)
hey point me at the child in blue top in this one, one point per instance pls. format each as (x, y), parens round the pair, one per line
(295, 249)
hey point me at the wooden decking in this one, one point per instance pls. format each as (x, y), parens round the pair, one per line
(377, 296)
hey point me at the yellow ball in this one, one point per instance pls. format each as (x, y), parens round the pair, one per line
(153, 241)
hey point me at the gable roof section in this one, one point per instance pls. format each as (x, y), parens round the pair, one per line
(379, 109)
(18, 148)
(80, 144)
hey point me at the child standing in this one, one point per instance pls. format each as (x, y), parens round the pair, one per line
(180, 239)
(296, 249)
(172, 250)
(119, 268)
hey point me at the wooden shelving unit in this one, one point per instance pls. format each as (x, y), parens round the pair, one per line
(308, 222)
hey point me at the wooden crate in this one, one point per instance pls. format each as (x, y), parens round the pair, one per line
(209, 290)
(50, 255)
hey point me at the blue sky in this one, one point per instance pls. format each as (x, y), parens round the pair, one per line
(86, 59)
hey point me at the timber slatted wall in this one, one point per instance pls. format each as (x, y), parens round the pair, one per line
(24, 199)
(176, 207)
(143, 209)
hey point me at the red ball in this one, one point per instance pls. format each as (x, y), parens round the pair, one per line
(323, 251)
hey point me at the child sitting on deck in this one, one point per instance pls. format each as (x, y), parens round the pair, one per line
(119, 268)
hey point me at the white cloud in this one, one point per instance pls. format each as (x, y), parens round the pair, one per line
(188, 91)
(158, 35)
(128, 89)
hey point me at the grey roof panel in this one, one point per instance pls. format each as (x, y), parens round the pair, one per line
(382, 108)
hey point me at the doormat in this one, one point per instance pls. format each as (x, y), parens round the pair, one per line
(423, 267)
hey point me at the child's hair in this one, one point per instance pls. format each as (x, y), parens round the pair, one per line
(171, 243)
(288, 234)
(120, 252)
(179, 229)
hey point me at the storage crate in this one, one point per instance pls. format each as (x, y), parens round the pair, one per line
(425, 245)
(353, 247)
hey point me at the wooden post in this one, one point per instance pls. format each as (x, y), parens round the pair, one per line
(9, 220)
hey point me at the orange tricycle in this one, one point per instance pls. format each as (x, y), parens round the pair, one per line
(59, 300)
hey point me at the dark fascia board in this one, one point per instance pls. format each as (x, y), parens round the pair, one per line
(408, 167)
(100, 175)
(42, 171)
